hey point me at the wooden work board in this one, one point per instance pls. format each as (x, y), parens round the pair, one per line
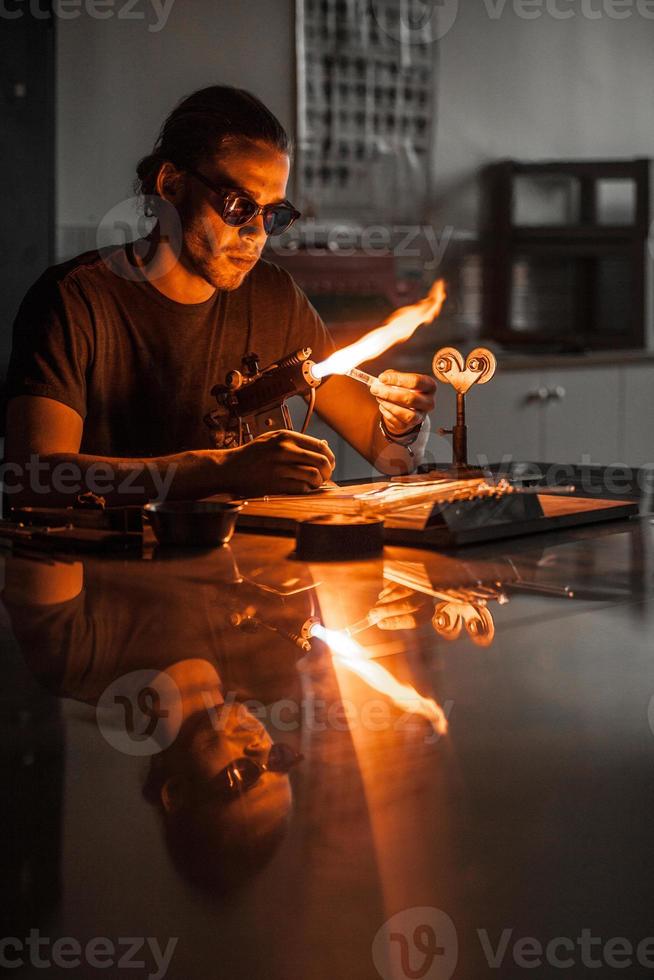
(429, 526)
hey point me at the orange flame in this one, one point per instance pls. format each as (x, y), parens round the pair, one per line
(399, 327)
(347, 652)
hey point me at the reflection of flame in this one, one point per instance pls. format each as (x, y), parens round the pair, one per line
(347, 652)
(399, 327)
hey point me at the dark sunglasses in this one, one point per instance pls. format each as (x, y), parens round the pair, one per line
(242, 774)
(238, 209)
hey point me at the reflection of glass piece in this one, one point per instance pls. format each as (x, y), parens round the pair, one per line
(545, 200)
(363, 624)
(397, 608)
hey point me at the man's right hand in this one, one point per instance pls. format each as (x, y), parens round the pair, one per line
(278, 462)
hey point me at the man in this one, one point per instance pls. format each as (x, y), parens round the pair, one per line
(115, 353)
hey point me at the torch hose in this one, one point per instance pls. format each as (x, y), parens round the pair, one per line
(312, 405)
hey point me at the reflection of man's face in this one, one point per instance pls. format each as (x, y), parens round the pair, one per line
(216, 742)
(231, 733)
(216, 841)
(221, 254)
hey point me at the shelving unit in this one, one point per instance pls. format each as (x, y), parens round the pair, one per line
(564, 247)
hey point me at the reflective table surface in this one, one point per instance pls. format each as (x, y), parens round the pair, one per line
(465, 790)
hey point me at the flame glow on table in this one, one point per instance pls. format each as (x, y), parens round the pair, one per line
(350, 654)
(399, 327)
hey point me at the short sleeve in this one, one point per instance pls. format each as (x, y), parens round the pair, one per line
(52, 345)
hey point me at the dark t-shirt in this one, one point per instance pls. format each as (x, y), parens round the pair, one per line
(139, 367)
(125, 620)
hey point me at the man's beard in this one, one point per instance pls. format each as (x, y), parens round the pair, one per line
(221, 279)
(202, 255)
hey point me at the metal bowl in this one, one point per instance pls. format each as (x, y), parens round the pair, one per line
(193, 523)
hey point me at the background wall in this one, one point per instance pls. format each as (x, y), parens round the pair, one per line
(117, 81)
(535, 89)
(508, 87)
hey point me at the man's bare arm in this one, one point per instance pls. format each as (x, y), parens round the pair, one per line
(43, 465)
(350, 409)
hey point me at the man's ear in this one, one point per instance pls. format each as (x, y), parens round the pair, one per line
(174, 793)
(170, 183)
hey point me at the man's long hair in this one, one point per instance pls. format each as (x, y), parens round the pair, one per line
(205, 122)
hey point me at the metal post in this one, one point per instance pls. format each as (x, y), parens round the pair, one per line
(460, 432)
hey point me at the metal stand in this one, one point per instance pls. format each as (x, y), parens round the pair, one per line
(450, 368)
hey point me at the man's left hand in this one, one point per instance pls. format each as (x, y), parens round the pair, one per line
(404, 399)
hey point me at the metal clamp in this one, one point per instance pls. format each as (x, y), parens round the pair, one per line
(450, 368)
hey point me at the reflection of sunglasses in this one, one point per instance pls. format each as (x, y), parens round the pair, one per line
(237, 209)
(242, 774)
